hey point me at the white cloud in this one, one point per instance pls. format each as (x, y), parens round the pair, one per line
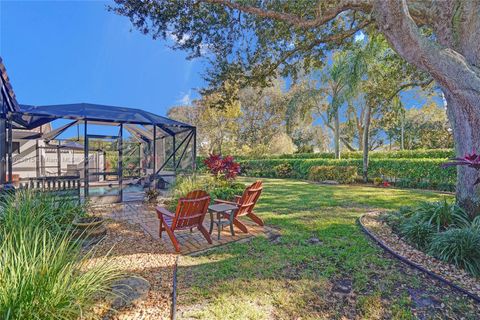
(186, 98)
(181, 41)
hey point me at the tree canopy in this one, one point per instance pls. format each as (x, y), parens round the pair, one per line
(248, 41)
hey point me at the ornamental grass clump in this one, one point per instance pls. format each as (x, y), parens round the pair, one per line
(442, 215)
(460, 247)
(443, 230)
(418, 233)
(43, 273)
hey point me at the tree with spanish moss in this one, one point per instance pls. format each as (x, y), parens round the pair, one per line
(251, 40)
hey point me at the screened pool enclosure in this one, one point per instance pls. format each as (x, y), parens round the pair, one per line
(108, 153)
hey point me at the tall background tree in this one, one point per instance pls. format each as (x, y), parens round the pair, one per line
(252, 39)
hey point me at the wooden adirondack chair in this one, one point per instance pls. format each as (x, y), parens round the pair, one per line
(190, 213)
(246, 204)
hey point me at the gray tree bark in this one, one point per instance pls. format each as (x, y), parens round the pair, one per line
(366, 131)
(337, 133)
(453, 61)
(402, 132)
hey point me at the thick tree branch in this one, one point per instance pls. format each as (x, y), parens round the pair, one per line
(321, 18)
(332, 38)
(408, 85)
(443, 64)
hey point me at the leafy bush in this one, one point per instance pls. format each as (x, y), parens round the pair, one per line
(400, 154)
(418, 233)
(43, 274)
(227, 192)
(345, 174)
(222, 167)
(460, 247)
(411, 172)
(217, 188)
(442, 214)
(283, 170)
(443, 230)
(412, 222)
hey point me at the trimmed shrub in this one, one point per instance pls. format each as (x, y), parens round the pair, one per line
(460, 247)
(411, 173)
(343, 174)
(401, 154)
(283, 170)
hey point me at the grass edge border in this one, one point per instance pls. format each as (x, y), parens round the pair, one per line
(413, 264)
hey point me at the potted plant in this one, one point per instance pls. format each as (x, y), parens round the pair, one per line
(151, 195)
(89, 227)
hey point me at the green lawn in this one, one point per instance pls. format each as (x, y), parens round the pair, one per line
(294, 279)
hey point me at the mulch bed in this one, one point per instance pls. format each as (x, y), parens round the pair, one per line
(382, 231)
(137, 254)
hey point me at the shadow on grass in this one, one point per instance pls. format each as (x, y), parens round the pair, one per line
(293, 275)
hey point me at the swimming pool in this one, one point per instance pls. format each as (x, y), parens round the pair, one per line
(99, 191)
(114, 190)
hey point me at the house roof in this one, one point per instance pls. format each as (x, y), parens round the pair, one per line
(9, 100)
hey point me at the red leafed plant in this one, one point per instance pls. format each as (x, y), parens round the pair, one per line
(225, 167)
(471, 160)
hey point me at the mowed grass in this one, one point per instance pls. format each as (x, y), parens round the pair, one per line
(293, 278)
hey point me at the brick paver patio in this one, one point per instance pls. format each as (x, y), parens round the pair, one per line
(145, 216)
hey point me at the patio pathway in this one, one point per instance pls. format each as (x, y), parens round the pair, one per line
(145, 216)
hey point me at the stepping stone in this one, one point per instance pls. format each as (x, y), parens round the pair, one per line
(275, 238)
(342, 286)
(315, 241)
(128, 291)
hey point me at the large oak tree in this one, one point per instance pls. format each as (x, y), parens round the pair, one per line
(255, 38)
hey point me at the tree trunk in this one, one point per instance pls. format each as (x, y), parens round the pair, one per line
(453, 62)
(402, 133)
(342, 139)
(465, 124)
(366, 130)
(360, 127)
(337, 134)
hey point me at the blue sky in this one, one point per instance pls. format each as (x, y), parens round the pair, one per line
(76, 51)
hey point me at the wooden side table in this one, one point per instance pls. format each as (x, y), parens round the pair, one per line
(221, 209)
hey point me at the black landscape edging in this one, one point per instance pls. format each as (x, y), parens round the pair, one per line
(173, 310)
(416, 266)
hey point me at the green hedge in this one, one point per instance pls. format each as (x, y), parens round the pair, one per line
(344, 174)
(404, 154)
(411, 173)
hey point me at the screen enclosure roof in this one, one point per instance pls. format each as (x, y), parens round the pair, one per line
(33, 116)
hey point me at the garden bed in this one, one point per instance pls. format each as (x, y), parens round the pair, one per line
(137, 254)
(381, 232)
